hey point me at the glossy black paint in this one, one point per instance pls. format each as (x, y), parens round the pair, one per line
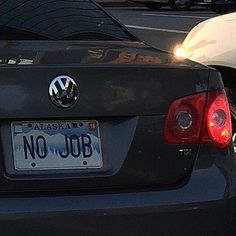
(125, 86)
(146, 186)
(205, 205)
(124, 80)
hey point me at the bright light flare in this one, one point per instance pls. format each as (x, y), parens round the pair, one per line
(180, 52)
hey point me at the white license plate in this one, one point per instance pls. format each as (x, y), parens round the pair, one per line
(56, 145)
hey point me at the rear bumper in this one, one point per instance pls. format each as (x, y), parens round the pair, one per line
(121, 214)
(204, 206)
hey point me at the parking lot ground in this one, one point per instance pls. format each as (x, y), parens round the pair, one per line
(162, 29)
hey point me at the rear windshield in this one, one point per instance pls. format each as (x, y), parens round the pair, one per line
(56, 20)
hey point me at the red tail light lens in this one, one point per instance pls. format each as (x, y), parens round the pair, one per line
(184, 119)
(218, 127)
(200, 118)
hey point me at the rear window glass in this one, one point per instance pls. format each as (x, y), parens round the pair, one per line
(56, 20)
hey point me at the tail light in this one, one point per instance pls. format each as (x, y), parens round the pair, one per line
(218, 127)
(199, 118)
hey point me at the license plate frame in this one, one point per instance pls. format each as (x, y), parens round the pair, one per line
(34, 162)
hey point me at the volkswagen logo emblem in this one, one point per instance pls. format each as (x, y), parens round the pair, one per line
(63, 91)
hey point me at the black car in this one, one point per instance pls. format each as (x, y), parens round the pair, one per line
(104, 135)
(158, 4)
(218, 6)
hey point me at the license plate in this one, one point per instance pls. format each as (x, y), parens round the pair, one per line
(207, 1)
(56, 145)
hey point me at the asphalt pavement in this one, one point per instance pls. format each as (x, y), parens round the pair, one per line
(162, 29)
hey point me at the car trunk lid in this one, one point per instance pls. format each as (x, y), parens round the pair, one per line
(126, 87)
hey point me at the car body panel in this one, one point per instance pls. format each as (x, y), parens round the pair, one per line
(108, 70)
(212, 42)
(204, 205)
(147, 185)
(128, 82)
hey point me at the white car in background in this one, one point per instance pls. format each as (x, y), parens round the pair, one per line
(213, 43)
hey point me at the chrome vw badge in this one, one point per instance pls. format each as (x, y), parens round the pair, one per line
(63, 91)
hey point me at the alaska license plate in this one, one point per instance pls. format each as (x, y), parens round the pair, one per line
(56, 145)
